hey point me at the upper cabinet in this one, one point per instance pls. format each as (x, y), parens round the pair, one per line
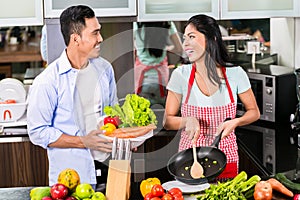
(175, 10)
(21, 13)
(102, 8)
(237, 9)
(182, 10)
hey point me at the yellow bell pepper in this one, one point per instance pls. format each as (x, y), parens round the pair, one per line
(146, 185)
(108, 128)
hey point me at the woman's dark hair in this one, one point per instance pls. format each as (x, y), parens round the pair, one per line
(156, 36)
(216, 52)
(72, 20)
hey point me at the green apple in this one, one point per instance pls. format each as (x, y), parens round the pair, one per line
(84, 190)
(98, 196)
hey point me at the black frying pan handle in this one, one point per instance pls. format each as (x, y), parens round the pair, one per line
(218, 137)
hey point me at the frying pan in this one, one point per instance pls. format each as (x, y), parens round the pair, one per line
(212, 159)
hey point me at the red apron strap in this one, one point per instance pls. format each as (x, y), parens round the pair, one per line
(227, 84)
(191, 81)
(139, 90)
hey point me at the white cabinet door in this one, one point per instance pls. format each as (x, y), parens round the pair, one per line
(102, 8)
(176, 10)
(245, 9)
(21, 13)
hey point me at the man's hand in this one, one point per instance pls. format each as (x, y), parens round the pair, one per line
(93, 141)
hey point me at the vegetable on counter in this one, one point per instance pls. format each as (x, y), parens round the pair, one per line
(279, 187)
(237, 188)
(263, 191)
(296, 197)
(146, 185)
(295, 187)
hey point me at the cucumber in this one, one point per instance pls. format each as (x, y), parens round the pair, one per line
(287, 182)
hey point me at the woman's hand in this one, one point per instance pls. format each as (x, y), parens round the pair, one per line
(192, 128)
(227, 127)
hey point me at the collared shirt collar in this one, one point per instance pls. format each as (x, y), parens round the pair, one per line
(65, 64)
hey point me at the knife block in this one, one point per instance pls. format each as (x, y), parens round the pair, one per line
(118, 180)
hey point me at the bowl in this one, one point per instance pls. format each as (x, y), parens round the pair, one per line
(12, 112)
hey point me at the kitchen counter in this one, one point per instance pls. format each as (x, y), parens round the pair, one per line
(15, 193)
(23, 52)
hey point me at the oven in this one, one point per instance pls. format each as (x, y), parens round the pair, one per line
(269, 147)
(274, 88)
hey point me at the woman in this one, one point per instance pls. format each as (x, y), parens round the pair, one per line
(206, 93)
(151, 63)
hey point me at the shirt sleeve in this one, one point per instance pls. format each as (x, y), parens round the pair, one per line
(172, 28)
(178, 82)
(40, 112)
(243, 82)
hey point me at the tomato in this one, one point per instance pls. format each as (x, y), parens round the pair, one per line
(167, 197)
(296, 197)
(174, 191)
(155, 198)
(108, 128)
(114, 120)
(178, 197)
(148, 196)
(157, 190)
(263, 191)
(146, 185)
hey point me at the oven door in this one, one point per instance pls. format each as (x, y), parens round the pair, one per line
(257, 88)
(259, 144)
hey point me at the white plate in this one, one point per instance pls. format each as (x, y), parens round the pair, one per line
(11, 89)
(135, 142)
(185, 188)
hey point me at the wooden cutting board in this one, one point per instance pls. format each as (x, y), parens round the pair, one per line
(118, 180)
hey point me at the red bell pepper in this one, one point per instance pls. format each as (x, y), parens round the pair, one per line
(114, 120)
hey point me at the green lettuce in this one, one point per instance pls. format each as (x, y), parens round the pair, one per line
(135, 111)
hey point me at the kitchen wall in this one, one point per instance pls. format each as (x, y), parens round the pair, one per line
(285, 39)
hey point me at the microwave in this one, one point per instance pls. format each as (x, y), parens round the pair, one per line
(266, 147)
(274, 88)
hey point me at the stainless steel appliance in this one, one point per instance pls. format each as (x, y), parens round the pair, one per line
(274, 88)
(237, 43)
(268, 147)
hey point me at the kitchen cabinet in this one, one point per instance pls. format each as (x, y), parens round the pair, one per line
(21, 13)
(176, 10)
(22, 163)
(102, 8)
(236, 9)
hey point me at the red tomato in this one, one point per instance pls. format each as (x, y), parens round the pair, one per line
(296, 197)
(155, 198)
(114, 120)
(178, 197)
(167, 197)
(157, 190)
(174, 191)
(148, 196)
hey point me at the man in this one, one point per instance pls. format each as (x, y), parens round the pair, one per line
(68, 97)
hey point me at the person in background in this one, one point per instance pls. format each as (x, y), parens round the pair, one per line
(152, 42)
(259, 28)
(43, 44)
(206, 93)
(68, 97)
